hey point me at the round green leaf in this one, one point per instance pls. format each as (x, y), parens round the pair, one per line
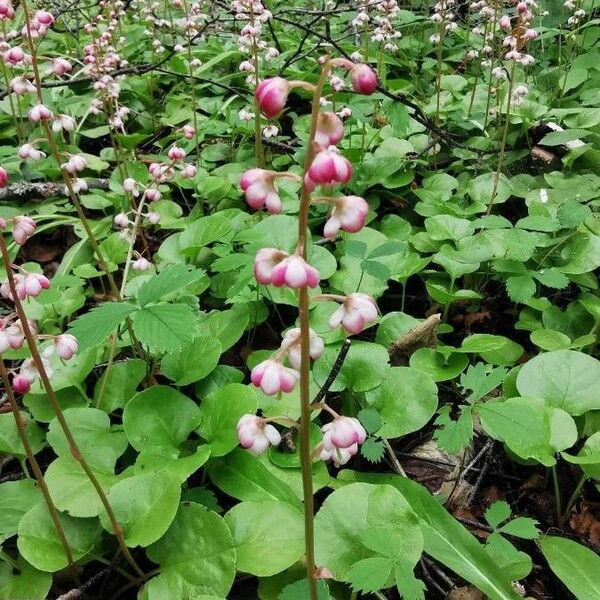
(548, 339)
(159, 416)
(199, 548)
(25, 583)
(269, 536)
(393, 326)
(16, 498)
(436, 365)
(40, 545)
(406, 400)
(99, 444)
(365, 367)
(351, 512)
(144, 506)
(192, 361)
(220, 412)
(494, 349)
(564, 378)
(10, 442)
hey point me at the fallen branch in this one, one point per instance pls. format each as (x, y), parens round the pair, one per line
(422, 335)
(23, 192)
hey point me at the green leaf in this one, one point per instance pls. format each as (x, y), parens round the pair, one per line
(365, 367)
(560, 138)
(164, 459)
(372, 449)
(494, 349)
(406, 400)
(205, 231)
(497, 513)
(10, 442)
(393, 326)
(40, 545)
(199, 548)
(522, 527)
(117, 384)
(220, 413)
(481, 379)
(243, 476)
(438, 366)
(193, 361)
(99, 444)
(576, 566)
(16, 498)
(445, 538)
(520, 288)
(159, 416)
(269, 536)
(299, 591)
(144, 506)
(480, 188)
(172, 279)
(370, 419)
(454, 435)
(23, 583)
(94, 327)
(564, 378)
(370, 574)
(408, 585)
(347, 513)
(227, 326)
(165, 327)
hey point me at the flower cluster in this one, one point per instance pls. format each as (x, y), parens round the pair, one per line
(443, 17)
(272, 266)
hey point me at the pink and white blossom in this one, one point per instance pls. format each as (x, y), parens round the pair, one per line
(330, 129)
(256, 435)
(348, 213)
(294, 272)
(272, 377)
(354, 313)
(260, 191)
(40, 112)
(343, 432)
(329, 168)
(65, 346)
(265, 261)
(272, 96)
(291, 346)
(23, 229)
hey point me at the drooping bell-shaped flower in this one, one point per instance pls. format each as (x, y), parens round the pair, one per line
(265, 261)
(65, 346)
(256, 435)
(329, 168)
(343, 432)
(330, 129)
(272, 377)
(260, 191)
(3, 177)
(339, 456)
(23, 229)
(354, 313)
(294, 272)
(364, 79)
(292, 348)
(272, 96)
(348, 213)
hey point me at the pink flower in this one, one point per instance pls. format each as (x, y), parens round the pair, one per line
(60, 66)
(140, 264)
(44, 17)
(265, 261)
(131, 185)
(339, 456)
(176, 153)
(256, 435)
(153, 195)
(16, 336)
(364, 79)
(6, 10)
(259, 188)
(188, 132)
(343, 432)
(21, 384)
(355, 312)
(292, 347)
(23, 229)
(14, 56)
(29, 151)
(272, 377)
(40, 113)
(188, 171)
(65, 346)
(121, 220)
(32, 285)
(328, 168)
(504, 23)
(294, 272)
(3, 177)
(349, 213)
(272, 95)
(330, 129)
(75, 164)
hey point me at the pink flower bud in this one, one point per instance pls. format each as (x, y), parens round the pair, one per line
(364, 79)
(141, 264)
(294, 272)
(44, 17)
(349, 213)
(153, 195)
(23, 229)
(256, 435)
(189, 132)
(3, 177)
(339, 456)
(188, 171)
(259, 188)
(329, 167)
(355, 312)
(63, 122)
(14, 56)
(121, 220)
(153, 218)
(75, 164)
(291, 345)
(131, 185)
(272, 96)
(176, 153)
(32, 285)
(60, 66)
(265, 261)
(343, 432)
(330, 129)
(504, 23)
(40, 113)
(6, 10)
(65, 346)
(272, 377)
(20, 384)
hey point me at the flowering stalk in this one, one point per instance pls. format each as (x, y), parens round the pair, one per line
(41, 370)
(37, 472)
(303, 302)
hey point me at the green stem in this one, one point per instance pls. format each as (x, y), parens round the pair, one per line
(572, 500)
(556, 493)
(305, 403)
